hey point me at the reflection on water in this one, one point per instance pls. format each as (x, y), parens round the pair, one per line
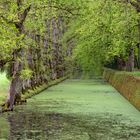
(4, 128)
(34, 125)
(51, 126)
(42, 126)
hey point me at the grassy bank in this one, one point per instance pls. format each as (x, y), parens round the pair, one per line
(135, 73)
(4, 86)
(41, 88)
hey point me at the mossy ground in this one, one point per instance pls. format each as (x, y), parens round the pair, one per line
(75, 110)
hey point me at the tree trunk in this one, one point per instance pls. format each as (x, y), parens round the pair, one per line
(131, 60)
(17, 83)
(139, 44)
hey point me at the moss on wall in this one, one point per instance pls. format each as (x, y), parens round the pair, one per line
(128, 85)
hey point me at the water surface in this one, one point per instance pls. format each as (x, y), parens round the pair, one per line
(73, 110)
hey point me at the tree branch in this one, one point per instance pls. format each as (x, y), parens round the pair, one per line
(135, 4)
(23, 17)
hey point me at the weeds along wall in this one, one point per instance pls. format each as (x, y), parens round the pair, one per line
(127, 84)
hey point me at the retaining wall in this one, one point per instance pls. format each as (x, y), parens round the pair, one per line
(128, 85)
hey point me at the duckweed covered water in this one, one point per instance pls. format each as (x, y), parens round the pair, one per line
(73, 110)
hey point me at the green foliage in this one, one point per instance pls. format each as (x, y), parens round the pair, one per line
(4, 83)
(104, 30)
(26, 74)
(98, 30)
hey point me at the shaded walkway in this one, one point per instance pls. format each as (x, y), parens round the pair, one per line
(75, 110)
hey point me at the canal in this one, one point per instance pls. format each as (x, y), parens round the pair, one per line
(73, 110)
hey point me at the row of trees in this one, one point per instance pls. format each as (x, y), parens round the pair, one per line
(107, 34)
(31, 48)
(45, 39)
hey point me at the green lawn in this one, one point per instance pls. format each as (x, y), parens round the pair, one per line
(135, 73)
(4, 86)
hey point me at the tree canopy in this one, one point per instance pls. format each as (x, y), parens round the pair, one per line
(43, 40)
(106, 30)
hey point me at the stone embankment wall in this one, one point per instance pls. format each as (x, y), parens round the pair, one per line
(128, 85)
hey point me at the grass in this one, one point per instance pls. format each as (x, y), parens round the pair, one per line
(4, 86)
(135, 73)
